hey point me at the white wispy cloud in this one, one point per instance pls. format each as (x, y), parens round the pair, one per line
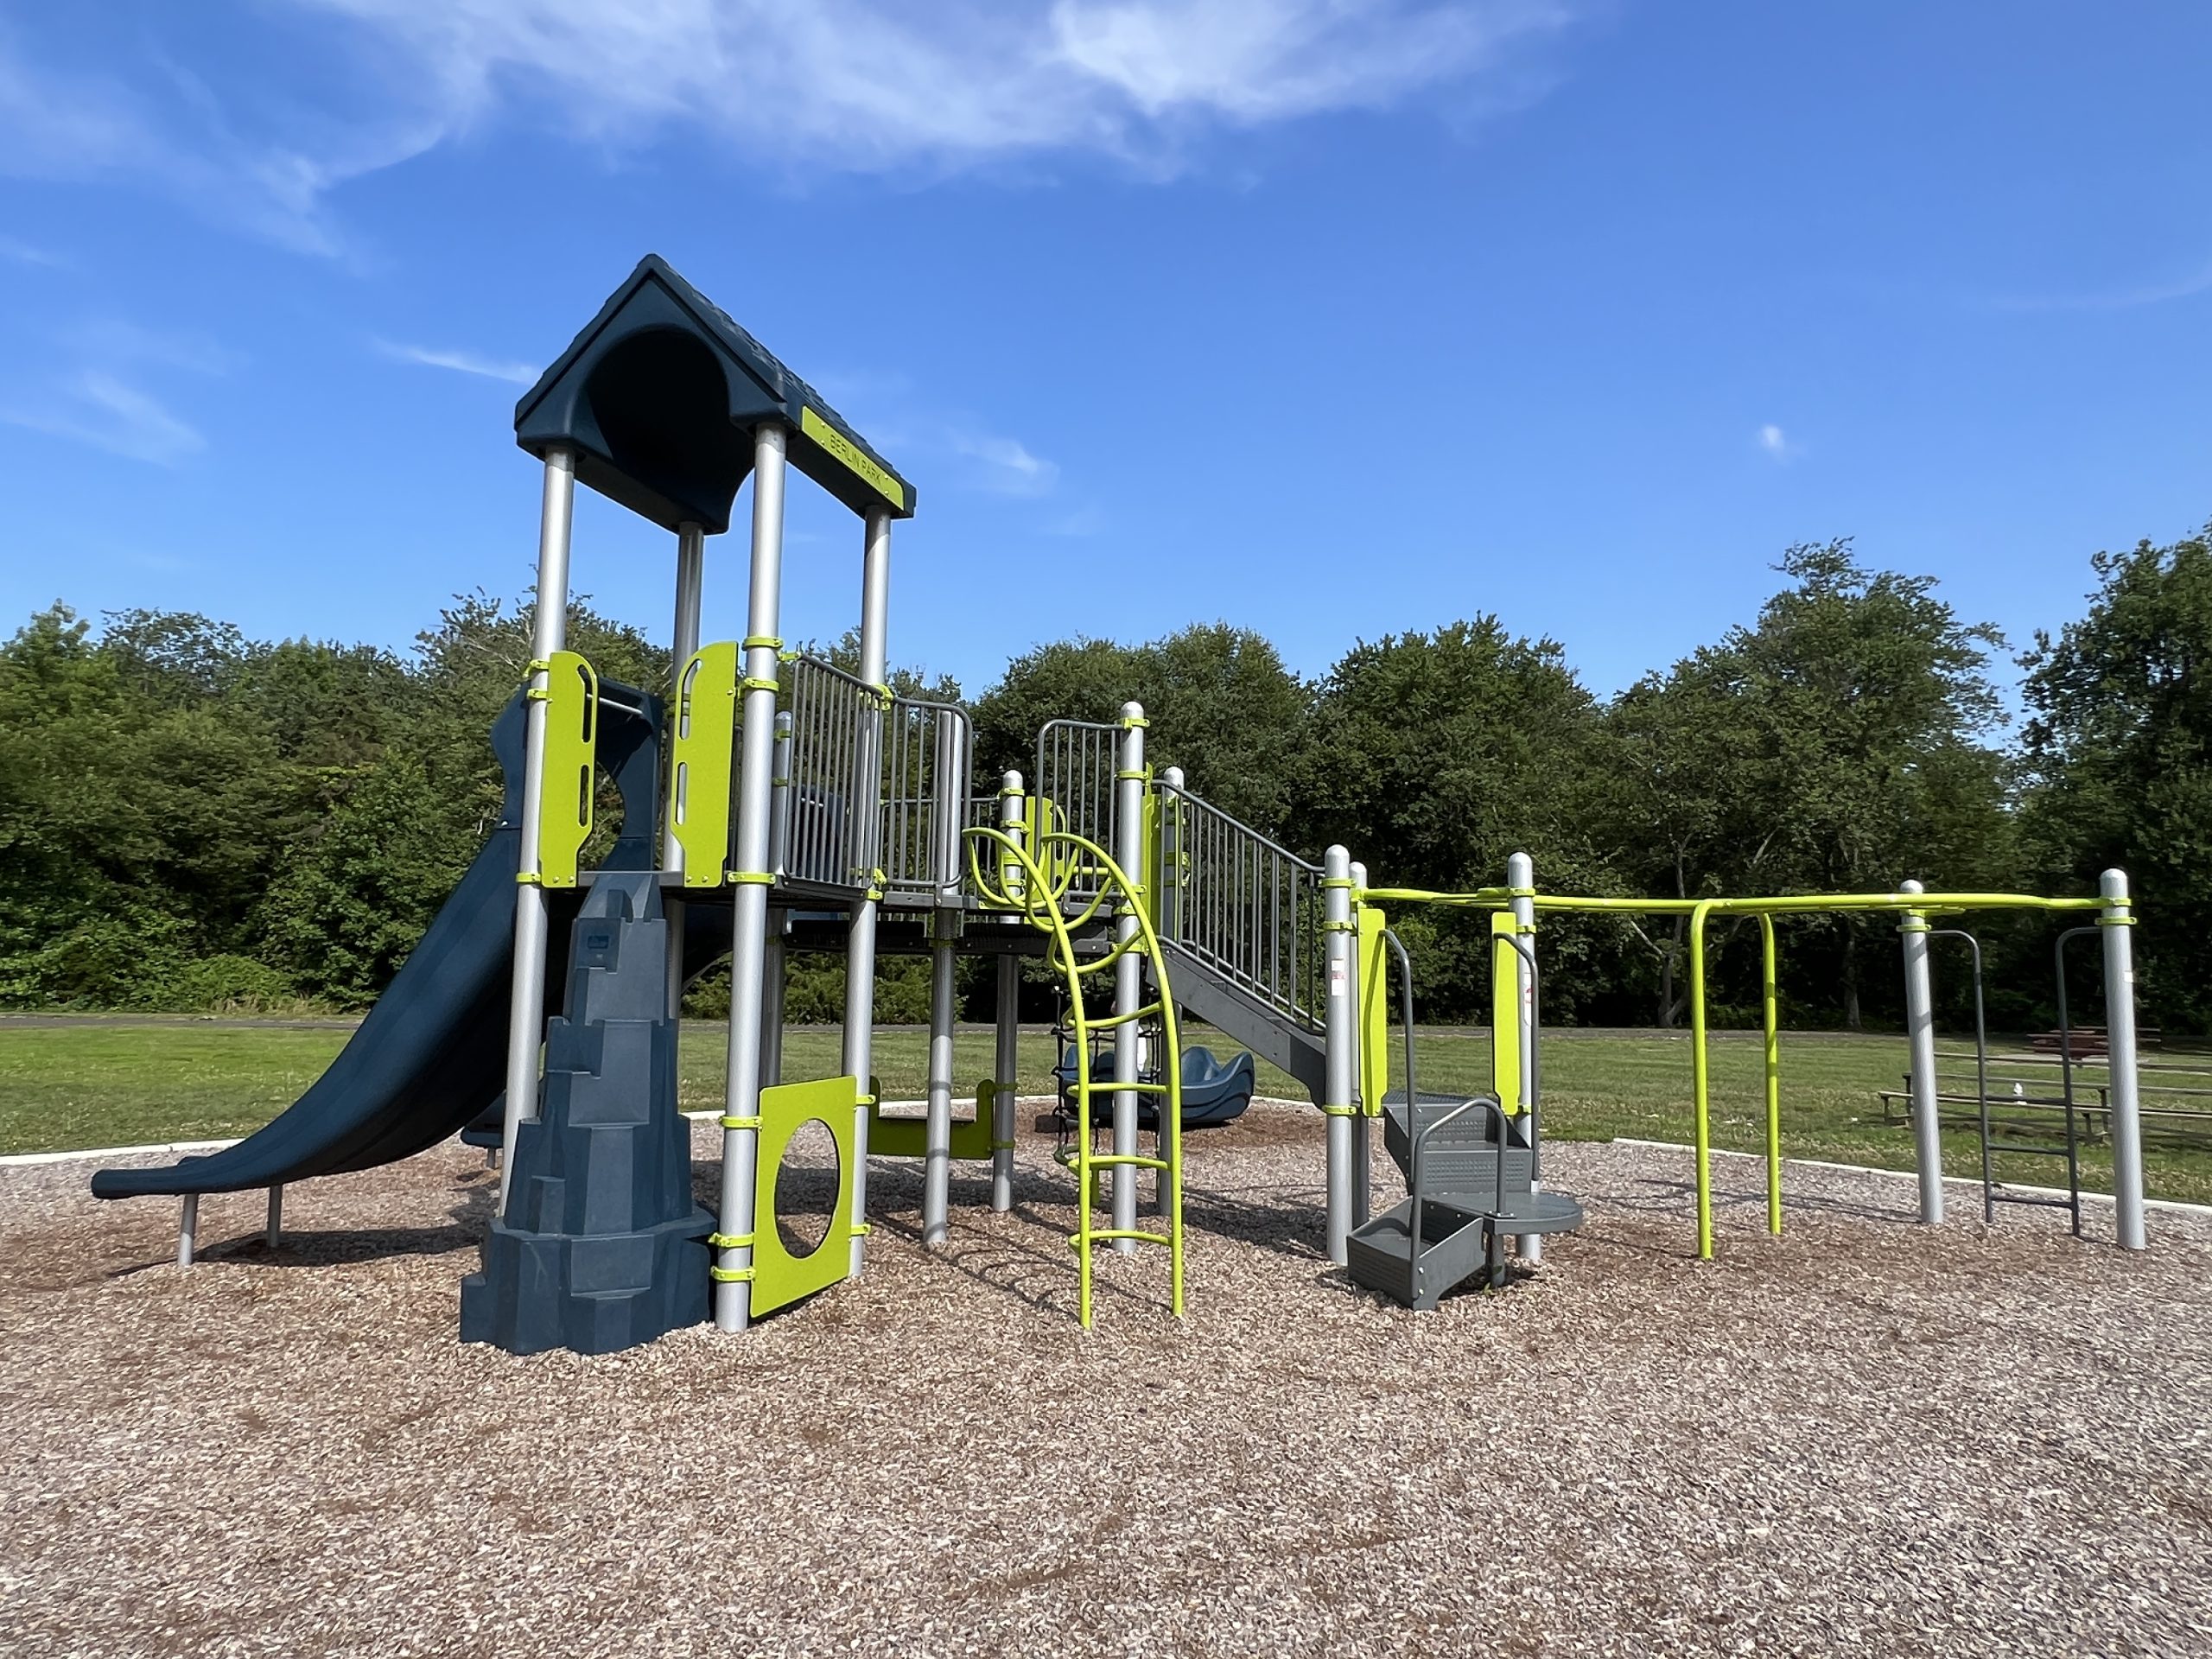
(853, 84)
(1774, 441)
(1004, 466)
(2124, 297)
(96, 407)
(17, 252)
(491, 368)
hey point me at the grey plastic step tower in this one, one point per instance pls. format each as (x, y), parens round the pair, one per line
(1477, 1188)
(602, 1246)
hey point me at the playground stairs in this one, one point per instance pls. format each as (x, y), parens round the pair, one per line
(602, 1246)
(1477, 1189)
(1208, 991)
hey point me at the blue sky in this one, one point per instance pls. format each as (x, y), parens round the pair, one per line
(1328, 317)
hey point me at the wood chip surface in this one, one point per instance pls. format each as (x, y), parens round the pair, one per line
(1863, 1437)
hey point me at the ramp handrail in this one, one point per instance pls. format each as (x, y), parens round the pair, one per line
(1247, 906)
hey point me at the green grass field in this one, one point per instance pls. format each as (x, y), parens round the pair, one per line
(77, 1083)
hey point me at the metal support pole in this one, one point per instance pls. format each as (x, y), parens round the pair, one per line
(949, 801)
(860, 941)
(775, 972)
(1129, 972)
(1920, 1040)
(1339, 1028)
(1770, 1019)
(1521, 878)
(548, 632)
(775, 976)
(1363, 1148)
(683, 642)
(749, 927)
(188, 1228)
(1006, 1062)
(2125, 1103)
(273, 1234)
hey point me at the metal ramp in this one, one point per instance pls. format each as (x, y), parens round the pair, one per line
(1240, 924)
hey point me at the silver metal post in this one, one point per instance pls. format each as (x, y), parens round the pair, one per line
(945, 809)
(775, 976)
(1920, 1042)
(548, 632)
(188, 1228)
(1006, 1062)
(775, 971)
(1129, 972)
(273, 1234)
(2127, 1121)
(749, 929)
(1339, 1034)
(684, 641)
(1363, 1150)
(860, 944)
(1521, 877)
(1165, 920)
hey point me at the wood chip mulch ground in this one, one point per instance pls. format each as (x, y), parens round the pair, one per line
(1865, 1437)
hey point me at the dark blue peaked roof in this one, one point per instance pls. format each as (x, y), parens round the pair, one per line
(659, 397)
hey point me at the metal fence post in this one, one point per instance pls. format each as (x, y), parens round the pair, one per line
(1521, 879)
(860, 940)
(1363, 1148)
(1920, 1039)
(2125, 1107)
(548, 633)
(1128, 973)
(690, 583)
(775, 978)
(1006, 1062)
(749, 927)
(947, 806)
(1340, 1033)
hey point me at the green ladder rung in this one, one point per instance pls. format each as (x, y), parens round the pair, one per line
(1081, 1240)
(1086, 1090)
(1113, 1020)
(1126, 1161)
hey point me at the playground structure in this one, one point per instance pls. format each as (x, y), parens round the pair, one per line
(773, 802)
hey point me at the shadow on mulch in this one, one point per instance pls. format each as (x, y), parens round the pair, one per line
(468, 1222)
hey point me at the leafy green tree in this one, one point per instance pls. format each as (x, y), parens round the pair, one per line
(1434, 757)
(1219, 702)
(1871, 701)
(2119, 759)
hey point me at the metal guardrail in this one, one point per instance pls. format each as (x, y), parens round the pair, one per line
(927, 750)
(1073, 793)
(848, 750)
(1245, 906)
(834, 717)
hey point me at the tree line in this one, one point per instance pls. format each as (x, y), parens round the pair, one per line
(192, 819)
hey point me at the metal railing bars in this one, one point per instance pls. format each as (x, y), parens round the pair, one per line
(1248, 907)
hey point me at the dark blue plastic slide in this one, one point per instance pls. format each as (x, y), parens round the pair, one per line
(431, 1055)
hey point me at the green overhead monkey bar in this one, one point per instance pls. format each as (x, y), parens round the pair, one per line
(1914, 907)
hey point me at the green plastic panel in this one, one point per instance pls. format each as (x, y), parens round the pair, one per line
(905, 1137)
(1505, 1012)
(700, 758)
(1374, 1010)
(564, 802)
(778, 1277)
